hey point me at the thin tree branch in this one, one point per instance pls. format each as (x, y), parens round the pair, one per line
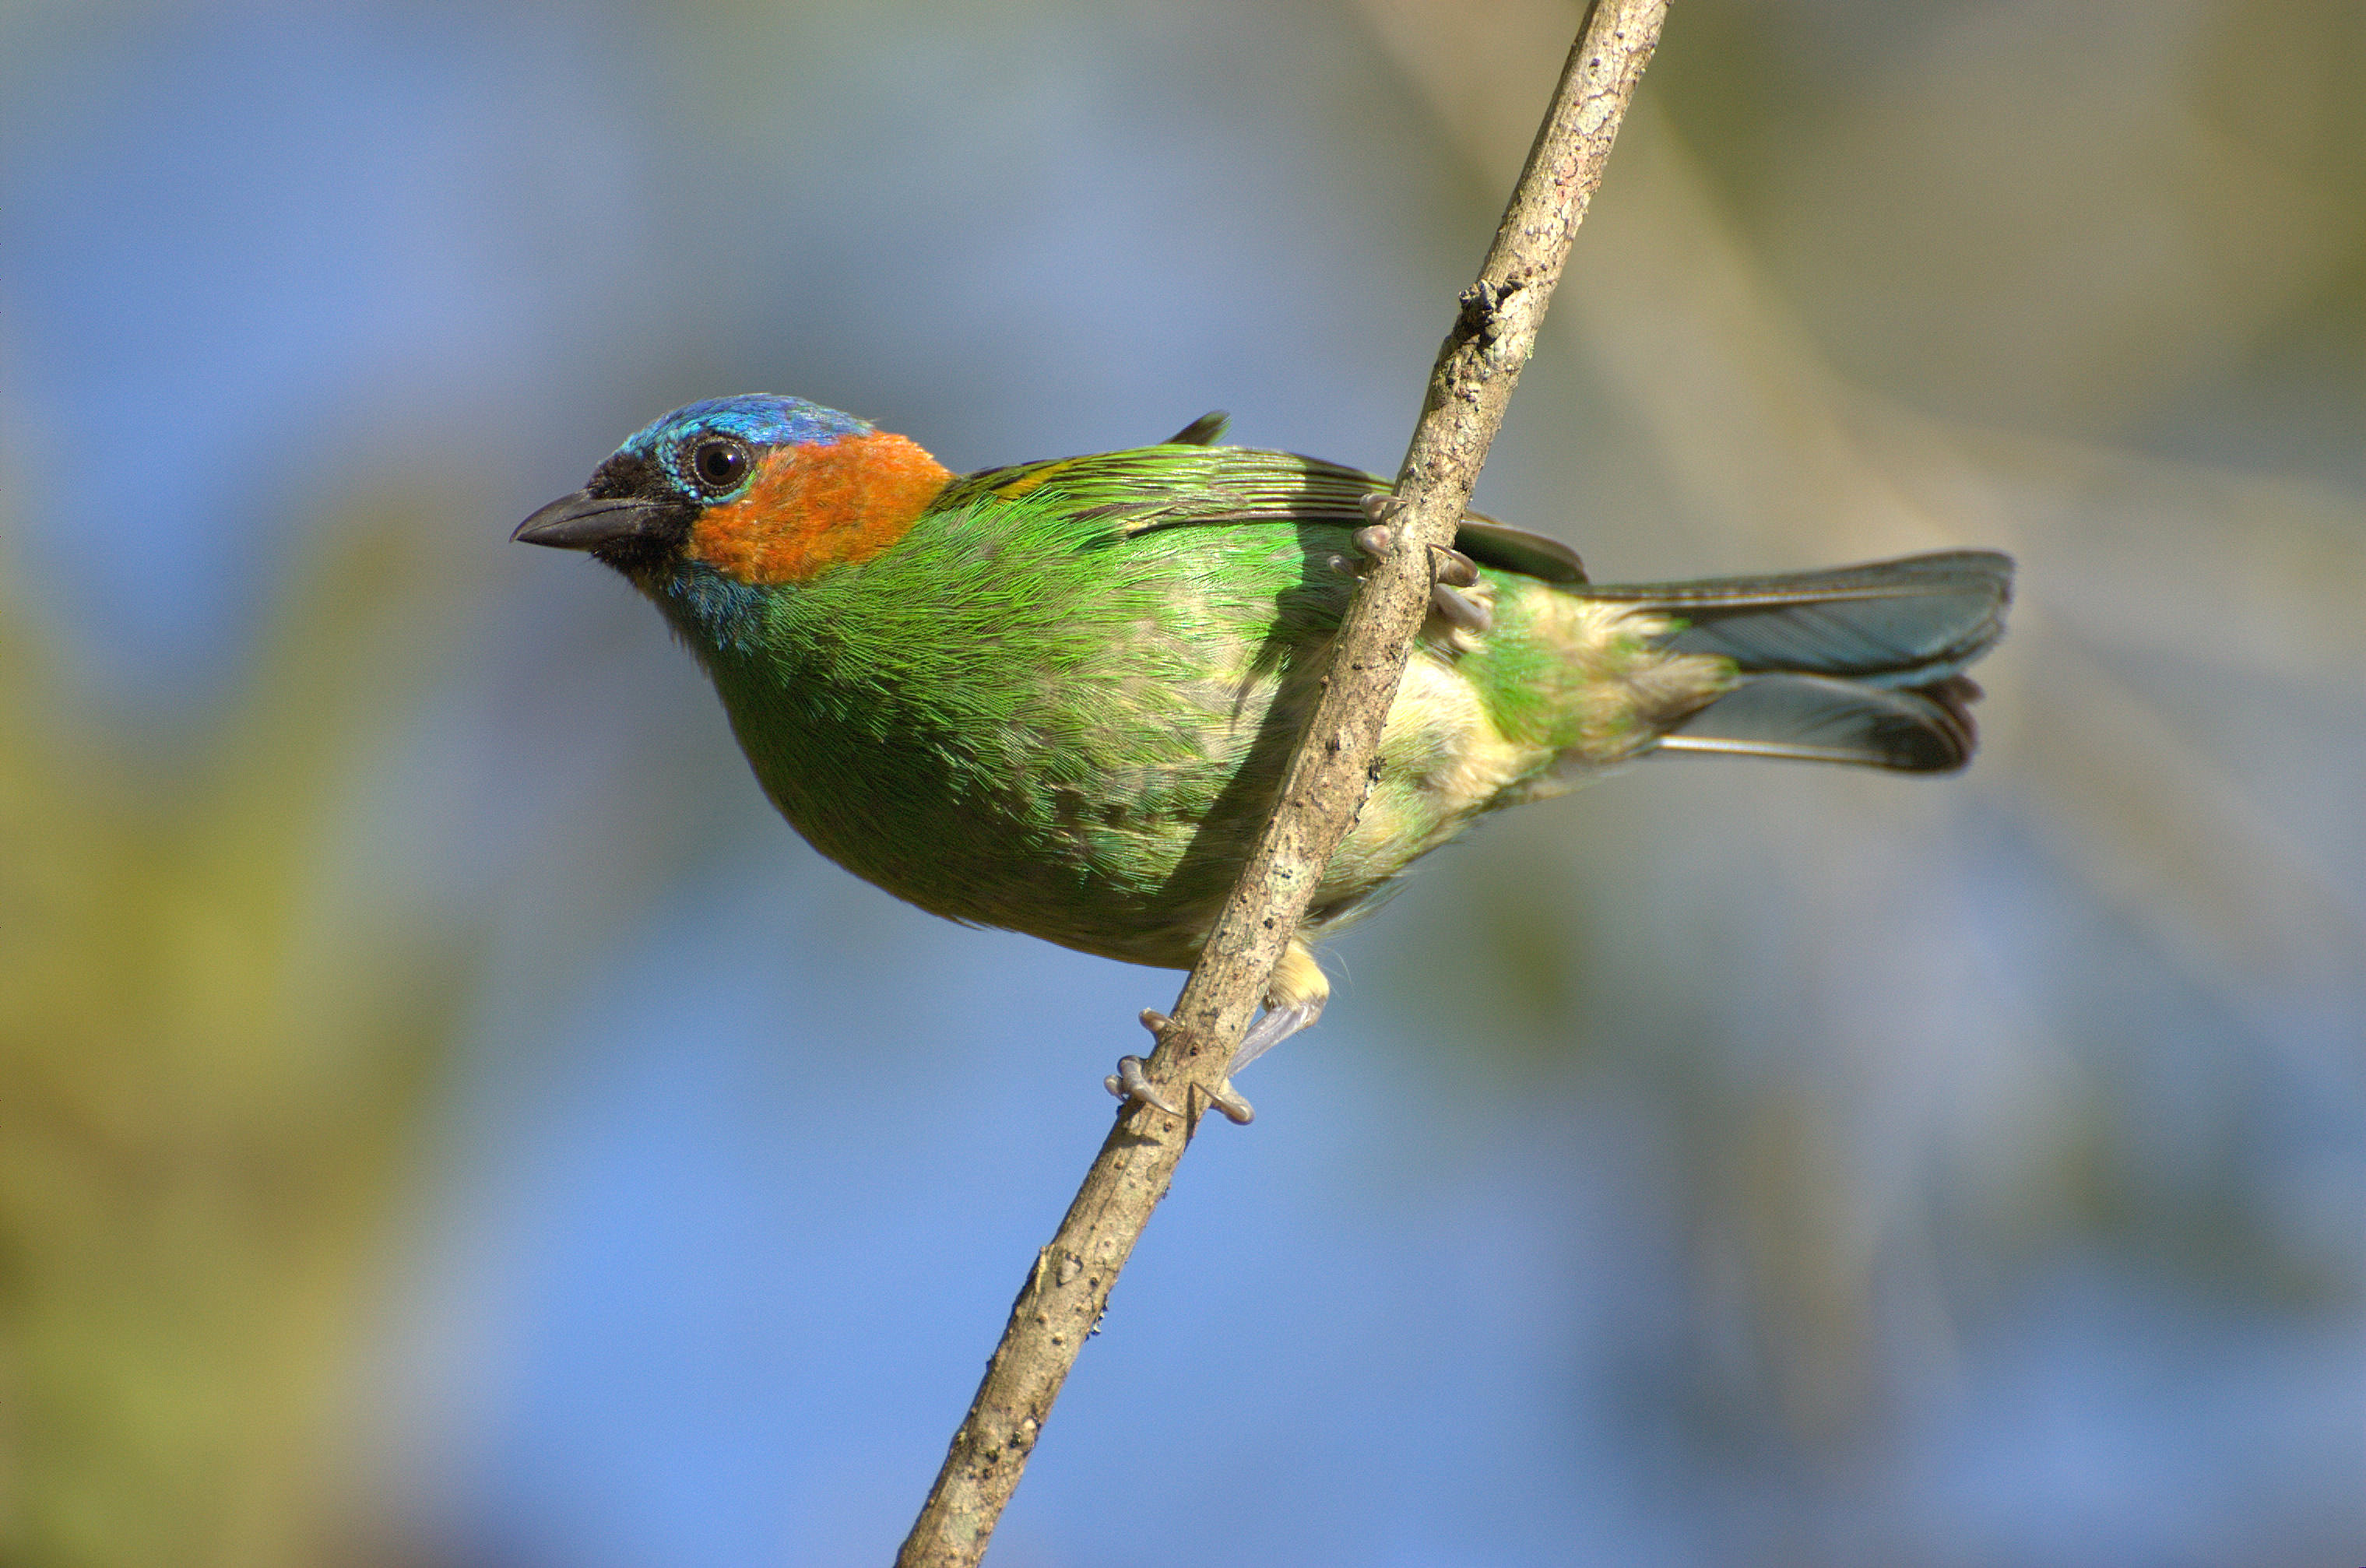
(1329, 776)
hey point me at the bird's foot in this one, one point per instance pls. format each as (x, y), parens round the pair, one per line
(1130, 1082)
(1132, 1079)
(1461, 611)
(1227, 1099)
(1449, 569)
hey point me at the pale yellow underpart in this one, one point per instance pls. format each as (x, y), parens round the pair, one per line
(1297, 980)
(1445, 762)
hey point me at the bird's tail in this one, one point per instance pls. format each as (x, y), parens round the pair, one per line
(1864, 664)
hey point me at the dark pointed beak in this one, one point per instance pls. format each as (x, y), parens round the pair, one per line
(585, 522)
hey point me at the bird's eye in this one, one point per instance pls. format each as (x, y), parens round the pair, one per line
(719, 466)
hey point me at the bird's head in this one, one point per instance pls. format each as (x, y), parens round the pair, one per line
(762, 489)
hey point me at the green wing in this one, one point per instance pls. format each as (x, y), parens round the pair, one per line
(1188, 482)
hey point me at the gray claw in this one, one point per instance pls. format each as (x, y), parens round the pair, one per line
(1448, 567)
(1129, 1082)
(1380, 505)
(1451, 566)
(1468, 614)
(1227, 1099)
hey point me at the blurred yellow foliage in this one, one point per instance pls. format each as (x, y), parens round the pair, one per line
(210, 1073)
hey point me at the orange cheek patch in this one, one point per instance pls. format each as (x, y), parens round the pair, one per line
(815, 507)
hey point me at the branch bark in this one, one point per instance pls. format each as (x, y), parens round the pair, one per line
(1329, 776)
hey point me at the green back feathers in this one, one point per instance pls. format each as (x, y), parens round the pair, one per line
(1188, 482)
(1178, 484)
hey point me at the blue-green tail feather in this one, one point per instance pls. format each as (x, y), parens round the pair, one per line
(1861, 665)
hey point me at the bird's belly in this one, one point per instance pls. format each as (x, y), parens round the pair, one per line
(1084, 842)
(1055, 832)
(1088, 869)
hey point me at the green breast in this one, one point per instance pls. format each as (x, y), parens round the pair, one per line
(1019, 718)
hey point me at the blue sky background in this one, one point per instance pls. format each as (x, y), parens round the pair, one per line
(1733, 1165)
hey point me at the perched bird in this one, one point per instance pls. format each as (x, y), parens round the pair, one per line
(1058, 697)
